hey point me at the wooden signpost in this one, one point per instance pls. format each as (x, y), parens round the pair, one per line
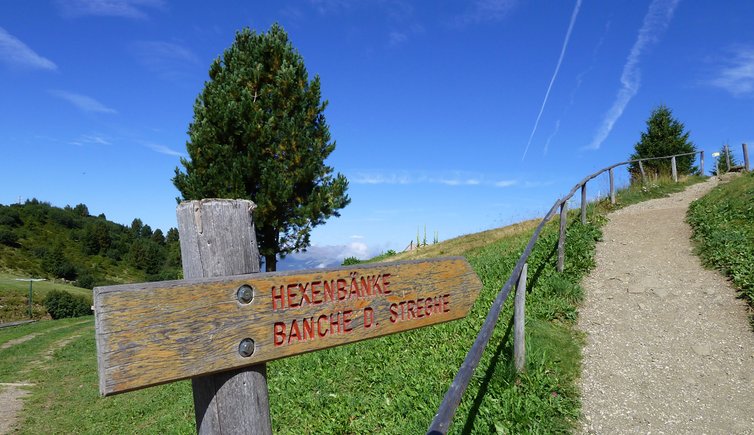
(153, 333)
(221, 324)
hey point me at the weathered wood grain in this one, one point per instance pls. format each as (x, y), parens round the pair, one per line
(674, 169)
(583, 203)
(701, 163)
(562, 235)
(746, 157)
(519, 320)
(218, 239)
(643, 174)
(160, 332)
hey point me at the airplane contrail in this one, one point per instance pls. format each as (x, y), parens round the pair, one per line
(657, 19)
(554, 75)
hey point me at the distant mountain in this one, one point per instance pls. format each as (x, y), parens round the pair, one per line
(38, 239)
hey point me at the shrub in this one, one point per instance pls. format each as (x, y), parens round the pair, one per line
(86, 280)
(61, 304)
(348, 261)
(8, 237)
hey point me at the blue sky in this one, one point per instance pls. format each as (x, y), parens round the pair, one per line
(457, 116)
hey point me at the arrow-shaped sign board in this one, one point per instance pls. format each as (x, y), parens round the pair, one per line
(153, 333)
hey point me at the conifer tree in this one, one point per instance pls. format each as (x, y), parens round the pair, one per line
(665, 136)
(259, 132)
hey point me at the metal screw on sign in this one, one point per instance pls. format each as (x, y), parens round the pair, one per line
(246, 348)
(245, 294)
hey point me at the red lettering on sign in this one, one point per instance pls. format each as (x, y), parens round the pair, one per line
(368, 317)
(355, 290)
(291, 289)
(385, 283)
(304, 295)
(277, 297)
(308, 326)
(278, 331)
(316, 292)
(347, 321)
(322, 331)
(417, 309)
(329, 292)
(335, 324)
(420, 306)
(294, 332)
(342, 292)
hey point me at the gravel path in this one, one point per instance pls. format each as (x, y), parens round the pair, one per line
(669, 347)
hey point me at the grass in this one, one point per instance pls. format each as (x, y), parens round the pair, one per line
(723, 226)
(392, 384)
(14, 296)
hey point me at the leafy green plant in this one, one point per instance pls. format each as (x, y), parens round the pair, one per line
(348, 261)
(723, 231)
(61, 305)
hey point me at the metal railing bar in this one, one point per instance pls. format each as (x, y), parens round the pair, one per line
(441, 422)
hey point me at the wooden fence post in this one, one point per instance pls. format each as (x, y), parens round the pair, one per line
(674, 169)
(583, 204)
(701, 163)
(727, 157)
(561, 238)
(643, 174)
(519, 335)
(217, 238)
(746, 157)
(612, 186)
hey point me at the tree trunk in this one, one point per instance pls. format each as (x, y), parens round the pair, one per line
(270, 263)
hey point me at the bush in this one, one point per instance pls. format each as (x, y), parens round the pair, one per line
(86, 280)
(8, 237)
(61, 304)
(348, 261)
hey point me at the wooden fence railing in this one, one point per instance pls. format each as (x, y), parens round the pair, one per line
(441, 422)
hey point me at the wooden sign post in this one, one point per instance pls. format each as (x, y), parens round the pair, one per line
(154, 333)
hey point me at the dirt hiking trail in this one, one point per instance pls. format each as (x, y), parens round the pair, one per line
(669, 347)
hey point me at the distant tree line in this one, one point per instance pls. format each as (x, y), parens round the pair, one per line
(68, 243)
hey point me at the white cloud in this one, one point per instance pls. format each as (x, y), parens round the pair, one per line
(458, 181)
(83, 102)
(737, 76)
(655, 21)
(318, 257)
(554, 74)
(91, 139)
(162, 149)
(17, 54)
(506, 183)
(381, 178)
(451, 178)
(108, 8)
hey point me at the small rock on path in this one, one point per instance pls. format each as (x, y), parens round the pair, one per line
(669, 347)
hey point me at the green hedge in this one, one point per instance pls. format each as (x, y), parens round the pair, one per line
(61, 304)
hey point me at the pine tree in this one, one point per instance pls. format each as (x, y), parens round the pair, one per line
(259, 132)
(665, 136)
(721, 161)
